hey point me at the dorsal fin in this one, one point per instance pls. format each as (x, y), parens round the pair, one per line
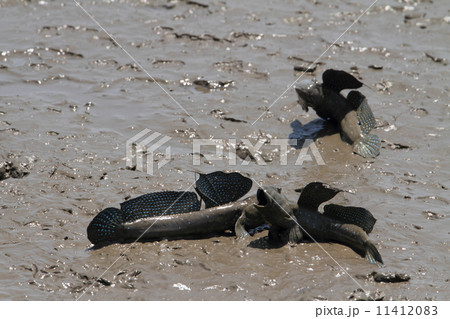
(351, 215)
(315, 194)
(338, 80)
(219, 188)
(160, 203)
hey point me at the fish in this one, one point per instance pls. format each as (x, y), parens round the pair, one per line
(106, 224)
(109, 226)
(352, 113)
(294, 222)
(174, 214)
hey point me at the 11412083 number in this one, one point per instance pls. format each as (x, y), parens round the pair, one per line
(407, 310)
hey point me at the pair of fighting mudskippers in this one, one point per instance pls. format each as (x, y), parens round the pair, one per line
(172, 214)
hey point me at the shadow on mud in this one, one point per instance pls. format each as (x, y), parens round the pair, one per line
(311, 131)
(265, 243)
(131, 241)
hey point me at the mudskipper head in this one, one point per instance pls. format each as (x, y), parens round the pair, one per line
(266, 196)
(309, 94)
(272, 205)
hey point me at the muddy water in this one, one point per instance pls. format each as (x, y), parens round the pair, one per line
(71, 97)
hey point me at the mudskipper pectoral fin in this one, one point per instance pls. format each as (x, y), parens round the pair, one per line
(219, 188)
(239, 227)
(367, 146)
(160, 203)
(372, 254)
(292, 235)
(277, 234)
(105, 226)
(295, 235)
(351, 215)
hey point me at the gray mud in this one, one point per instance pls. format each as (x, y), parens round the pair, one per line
(70, 98)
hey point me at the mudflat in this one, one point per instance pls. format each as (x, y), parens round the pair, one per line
(71, 97)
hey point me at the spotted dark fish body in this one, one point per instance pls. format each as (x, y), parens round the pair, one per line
(172, 214)
(293, 222)
(352, 114)
(322, 228)
(211, 221)
(109, 225)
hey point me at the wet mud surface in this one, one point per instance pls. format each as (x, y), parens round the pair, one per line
(71, 98)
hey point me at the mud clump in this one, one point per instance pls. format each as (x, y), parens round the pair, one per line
(9, 169)
(386, 277)
(214, 85)
(380, 277)
(362, 295)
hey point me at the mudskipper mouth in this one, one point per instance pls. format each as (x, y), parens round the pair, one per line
(261, 197)
(303, 104)
(302, 99)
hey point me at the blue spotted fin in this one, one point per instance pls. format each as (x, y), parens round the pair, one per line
(105, 226)
(367, 146)
(351, 215)
(366, 119)
(160, 203)
(219, 188)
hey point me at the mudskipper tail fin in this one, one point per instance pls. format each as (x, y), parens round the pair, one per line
(368, 146)
(105, 226)
(351, 215)
(219, 188)
(372, 254)
(366, 120)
